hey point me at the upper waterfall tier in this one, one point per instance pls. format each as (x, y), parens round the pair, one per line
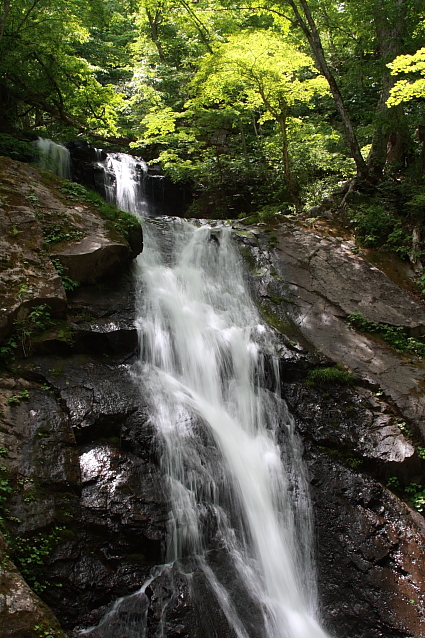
(54, 157)
(124, 181)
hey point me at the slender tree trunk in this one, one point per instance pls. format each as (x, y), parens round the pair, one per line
(3, 17)
(154, 22)
(308, 26)
(293, 190)
(389, 127)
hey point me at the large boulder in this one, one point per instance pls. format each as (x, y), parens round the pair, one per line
(46, 234)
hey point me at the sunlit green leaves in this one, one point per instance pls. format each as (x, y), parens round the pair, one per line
(405, 90)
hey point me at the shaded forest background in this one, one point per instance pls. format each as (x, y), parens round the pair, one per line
(259, 107)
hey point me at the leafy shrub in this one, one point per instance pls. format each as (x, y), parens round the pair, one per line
(17, 148)
(376, 227)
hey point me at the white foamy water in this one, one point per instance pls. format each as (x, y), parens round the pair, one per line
(54, 157)
(124, 182)
(228, 447)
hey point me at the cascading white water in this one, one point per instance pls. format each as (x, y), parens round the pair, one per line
(124, 182)
(54, 157)
(232, 486)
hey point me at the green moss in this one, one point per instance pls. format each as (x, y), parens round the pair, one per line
(285, 327)
(329, 376)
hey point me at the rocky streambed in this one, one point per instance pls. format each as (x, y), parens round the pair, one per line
(83, 505)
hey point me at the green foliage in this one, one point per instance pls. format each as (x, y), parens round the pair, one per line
(329, 376)
(68, 283)
(416, 495)
(30, 552)
(17, 148)
(393, 483)
(18, 398)
(376, 226)
(37, 321)
(59, 233)
(395, 336)
(5, 488)
(406, 90)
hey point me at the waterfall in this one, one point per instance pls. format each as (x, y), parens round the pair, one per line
(231, 457)
(54, 157)
(124, 177)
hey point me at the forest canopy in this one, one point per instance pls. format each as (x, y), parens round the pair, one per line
(260, 104)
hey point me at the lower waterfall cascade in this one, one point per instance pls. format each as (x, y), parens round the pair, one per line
(229, 453)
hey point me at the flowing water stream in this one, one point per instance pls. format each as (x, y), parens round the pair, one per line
(54, 157)
(232, 485)
(232, 462)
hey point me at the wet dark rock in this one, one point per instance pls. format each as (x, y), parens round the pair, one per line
(370, 555)
(104, 317)
(114, 514)
(21, 611)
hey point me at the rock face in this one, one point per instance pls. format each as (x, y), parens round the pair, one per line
(165, 197)
(78, 448)
(21, 611)
(43, 232)
(38, 223)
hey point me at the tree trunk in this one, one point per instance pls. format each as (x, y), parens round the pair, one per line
(292, 188)
(388, 138)
(154, 22)
(310, 31)
(3, 17)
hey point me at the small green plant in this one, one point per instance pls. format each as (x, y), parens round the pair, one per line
(44, 633)
(329, 376)
(416, 494)
(58, 233)
(68, 283)
(5, 490)
(33, 199)
(3, 452)
(23, 291)
(421, 452)
(395, 336)
(30, 553)
(403, 427)
(16, 231)
(18, 398)
(393, 483)
(37, 320)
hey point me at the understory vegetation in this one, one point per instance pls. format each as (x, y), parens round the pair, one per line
(395, 336)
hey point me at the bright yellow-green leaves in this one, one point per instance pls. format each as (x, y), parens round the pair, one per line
(405, 90)
(257, 69)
